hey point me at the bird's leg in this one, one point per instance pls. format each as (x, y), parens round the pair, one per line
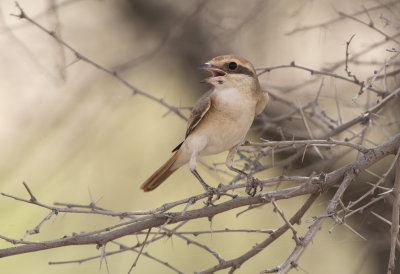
(192, 166)
(203, 184)
(252, 183)
(230, 159)
(210, 190)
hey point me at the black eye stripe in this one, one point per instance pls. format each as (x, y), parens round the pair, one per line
(241, 70)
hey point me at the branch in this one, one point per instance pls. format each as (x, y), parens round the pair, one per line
(328, 143)
(376, 74)
(370, 25)
(364, 116)
(140, 251)
(320, 72)
(79, 56)
(237, 262)
(395, 219)
(339, 18)
(102, 236)
(292, 260)
(317, 122)
(287, 222)
(346, 67)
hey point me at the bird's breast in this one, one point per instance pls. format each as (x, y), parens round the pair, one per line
(227, 121)
(224, 125)
(232, 103)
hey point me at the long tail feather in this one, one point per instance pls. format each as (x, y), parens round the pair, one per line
(160, 175)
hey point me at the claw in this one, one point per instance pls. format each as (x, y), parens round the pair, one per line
(211, 191)
(218, 192)
(252, 184)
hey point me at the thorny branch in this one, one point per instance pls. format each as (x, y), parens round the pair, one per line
(323, 132)
(340, 18)
(107, 234)
(319, 72)
(346, 68)
(395, 218)
(79, 56)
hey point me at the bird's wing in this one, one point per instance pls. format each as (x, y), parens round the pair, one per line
(262, 102)
(199, 110)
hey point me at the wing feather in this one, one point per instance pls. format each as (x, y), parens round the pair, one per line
(262, 102)
(198, 112)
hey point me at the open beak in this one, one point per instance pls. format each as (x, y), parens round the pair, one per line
(205, 66)
(216, 72)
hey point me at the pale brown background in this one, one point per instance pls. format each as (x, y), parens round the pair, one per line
(77, 135)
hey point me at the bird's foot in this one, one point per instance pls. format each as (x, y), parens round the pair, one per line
(211, 191)
(222, 192)
(217, 192)
(252, 185)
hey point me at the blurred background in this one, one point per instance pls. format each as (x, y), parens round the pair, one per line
(77, 135)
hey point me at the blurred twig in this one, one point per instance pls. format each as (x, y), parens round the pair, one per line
(395, 217)
(340, 18)
(300, 173)
(79, 56)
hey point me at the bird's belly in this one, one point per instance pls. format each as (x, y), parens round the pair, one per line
(227, 134)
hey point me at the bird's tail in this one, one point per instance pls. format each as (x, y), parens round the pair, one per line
(161, 174)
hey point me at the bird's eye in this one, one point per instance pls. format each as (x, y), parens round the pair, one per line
(232, 65)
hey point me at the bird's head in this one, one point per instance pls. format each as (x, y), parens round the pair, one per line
(230, 71)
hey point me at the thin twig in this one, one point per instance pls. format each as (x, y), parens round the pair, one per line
(103, 256)
(36, 230)
(33, 198)
(237, 262)
(370, 25)
(140, 251)
(346, 67)
(395, 219)
(327, 143)
(292, 260)
(161, 101)
(318, 72)
(339, 18)
(122, 248)
(376, 74)
(294, 231)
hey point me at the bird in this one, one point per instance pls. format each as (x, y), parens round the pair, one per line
(220, 119)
